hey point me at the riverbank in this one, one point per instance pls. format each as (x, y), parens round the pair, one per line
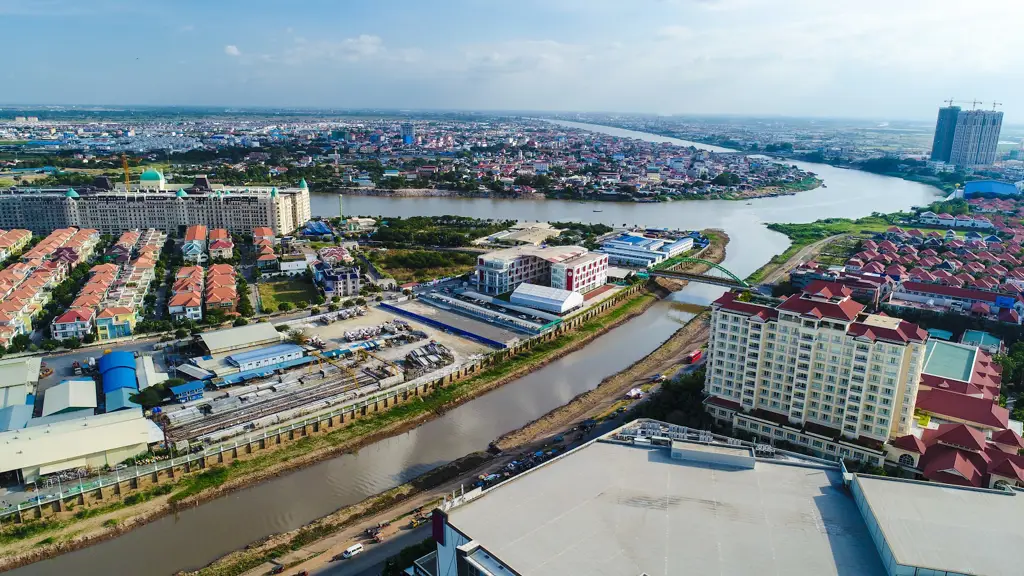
(346, 526)
(101, 523)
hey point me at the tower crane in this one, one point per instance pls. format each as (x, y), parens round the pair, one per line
(994, 104)
(127, 174)
(387, 363)
(973, 103)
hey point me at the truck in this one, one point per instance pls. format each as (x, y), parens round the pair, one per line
(76, 368)
(694, 356)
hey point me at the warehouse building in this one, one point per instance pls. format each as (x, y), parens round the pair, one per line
(546, 298)
(89, 442)
(117, 370)
(265, 356)
(621, 506)
(18, 379)
(77, 396)
(119, 399)
(189, 391)
(230, 339)
(639, 251)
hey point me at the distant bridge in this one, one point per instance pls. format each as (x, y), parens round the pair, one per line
(725, 278)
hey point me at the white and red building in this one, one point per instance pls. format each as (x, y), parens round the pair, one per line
(571, 268)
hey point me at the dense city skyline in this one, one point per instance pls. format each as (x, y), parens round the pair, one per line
(670, 57)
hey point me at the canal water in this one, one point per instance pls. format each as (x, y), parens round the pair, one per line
(195, 537)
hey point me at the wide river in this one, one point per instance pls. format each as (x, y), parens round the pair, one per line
(195, 537)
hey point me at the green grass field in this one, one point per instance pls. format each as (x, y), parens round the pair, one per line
(274, 293)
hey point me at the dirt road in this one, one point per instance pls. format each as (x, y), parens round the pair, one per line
(666, 359)
(802, 255)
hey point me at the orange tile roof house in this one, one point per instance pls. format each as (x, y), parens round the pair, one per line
(194, 248)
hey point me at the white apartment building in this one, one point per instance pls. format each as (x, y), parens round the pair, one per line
(156, 204)
(814, 371)
(565, 267)
(976, 137)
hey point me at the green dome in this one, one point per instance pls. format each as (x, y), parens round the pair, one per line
(181, 193)
(151, 175)
(71, 193)
(302, 183)
(273, 192)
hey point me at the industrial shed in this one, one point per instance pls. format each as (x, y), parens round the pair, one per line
(546, 298)
(117, 370)
(119, 399)
(92, 441)
(18, 379)
(266, 356)
(259, 334)
(70, 396)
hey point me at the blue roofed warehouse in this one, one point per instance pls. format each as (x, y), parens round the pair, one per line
(189, 391)
(117, 370)
(266, 356)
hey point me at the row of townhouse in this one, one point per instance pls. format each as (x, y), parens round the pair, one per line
(949, 221)
(264, 241)
(112, 300)
(25, 286)
(13, 242)
(816, 372)
(202, 245)
(195, 289)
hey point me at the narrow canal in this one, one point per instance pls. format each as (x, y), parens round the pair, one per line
(198, 536)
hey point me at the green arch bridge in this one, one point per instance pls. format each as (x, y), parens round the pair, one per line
(729, 280)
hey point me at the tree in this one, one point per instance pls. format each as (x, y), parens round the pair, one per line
(240, 322)
(297, 336)
(72, 343)
(332, 307)
(284, 307)
(302, 304)
(180, 333)
(50, 344)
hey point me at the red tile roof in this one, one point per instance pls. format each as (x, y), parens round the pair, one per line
(980, 411)
(910, 443)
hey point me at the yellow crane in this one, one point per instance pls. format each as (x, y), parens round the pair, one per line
(387, 363)
(127, 174)
(320, 363)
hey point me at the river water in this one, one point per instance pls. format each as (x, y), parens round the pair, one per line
(197, 536)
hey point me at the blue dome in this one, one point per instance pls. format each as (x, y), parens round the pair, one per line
(273, 192)
(71, 193)
(181, 193)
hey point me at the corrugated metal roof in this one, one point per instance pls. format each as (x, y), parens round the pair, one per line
(19, 371)
(241, 337)
(545, 297)
(268, 352)
(70, 395)
(116, 360)
(119, 377)
(75, 438)
(120, 399)
(188, 387)
(15, 417)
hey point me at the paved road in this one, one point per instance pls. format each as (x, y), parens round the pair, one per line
(371, 561)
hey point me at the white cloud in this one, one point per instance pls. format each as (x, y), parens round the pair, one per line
(232, 50)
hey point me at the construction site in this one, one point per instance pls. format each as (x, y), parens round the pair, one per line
(296, 371)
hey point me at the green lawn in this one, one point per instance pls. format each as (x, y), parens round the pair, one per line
(291, 291)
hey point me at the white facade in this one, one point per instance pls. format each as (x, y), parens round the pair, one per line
(545, 298)
(581, 274)
(636, 250)
(976, 138)
(504, 270)
(239, 209)
(831, 372)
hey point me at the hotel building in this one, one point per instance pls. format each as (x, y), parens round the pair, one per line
(814, 371)
(155, 203)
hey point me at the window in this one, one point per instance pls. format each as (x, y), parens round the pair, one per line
(906, 460)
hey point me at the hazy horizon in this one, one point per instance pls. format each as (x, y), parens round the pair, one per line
(726, 58)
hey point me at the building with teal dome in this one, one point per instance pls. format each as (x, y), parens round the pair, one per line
(71, 193)
(152, 179)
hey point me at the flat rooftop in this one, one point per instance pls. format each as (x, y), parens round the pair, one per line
(949, 360)
(960, 530)
(613, 509)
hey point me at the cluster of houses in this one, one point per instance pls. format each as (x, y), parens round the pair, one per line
(977, 274)
(25, 285)
(195, 289)
(948, 221)
(286, 258)
(202, 245)
(111, 302)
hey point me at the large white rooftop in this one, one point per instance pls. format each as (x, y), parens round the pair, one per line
(613, 509)
(948, 528)
(256, 334)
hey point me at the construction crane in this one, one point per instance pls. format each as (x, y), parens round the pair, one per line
(973, 103)
(127, 174)
(994, 104)
(320, 363)
(387, 363)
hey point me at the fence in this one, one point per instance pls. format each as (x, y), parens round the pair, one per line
(436, 378)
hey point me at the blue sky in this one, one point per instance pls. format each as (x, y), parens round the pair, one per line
(880, 59)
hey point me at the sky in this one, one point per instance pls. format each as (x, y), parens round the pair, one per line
(873, 59)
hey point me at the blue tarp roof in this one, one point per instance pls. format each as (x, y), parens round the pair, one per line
(261, 353)
(317, 227)
(119, 400)
(188, 387)
(985, 186)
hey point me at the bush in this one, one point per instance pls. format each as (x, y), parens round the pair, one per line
(332, 307)
(284, 307)
(360, 301)
(180, 333)
(240, 322)
(302, 304)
